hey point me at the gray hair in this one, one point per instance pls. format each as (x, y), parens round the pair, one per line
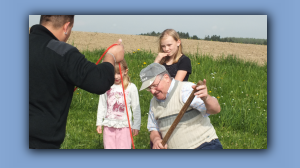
(163, 73)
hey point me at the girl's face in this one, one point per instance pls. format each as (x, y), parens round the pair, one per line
(169, 45)
(118, 76)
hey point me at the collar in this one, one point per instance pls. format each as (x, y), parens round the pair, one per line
(41, 30)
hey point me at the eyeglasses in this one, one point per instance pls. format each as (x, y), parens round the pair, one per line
(153, 86)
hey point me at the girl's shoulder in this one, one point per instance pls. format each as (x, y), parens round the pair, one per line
(184, 60)
(184, 57)
(114, 86)
(131, 86)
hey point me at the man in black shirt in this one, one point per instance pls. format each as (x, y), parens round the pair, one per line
(55, 67)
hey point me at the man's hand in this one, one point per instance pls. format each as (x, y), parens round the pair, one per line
(117, 51)
(201, 91)
(157, 144)
(135, 132)
(99, 129)
(212, 105)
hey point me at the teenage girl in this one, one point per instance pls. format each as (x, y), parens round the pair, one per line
(112, 112)
(170, 55)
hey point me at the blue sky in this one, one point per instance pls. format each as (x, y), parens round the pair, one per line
(246, 26)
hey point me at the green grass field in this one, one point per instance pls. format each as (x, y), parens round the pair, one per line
(241, 89)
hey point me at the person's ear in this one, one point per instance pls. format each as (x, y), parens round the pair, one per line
(126, 71)
(178, 43)
(165, 76)
(65, 27)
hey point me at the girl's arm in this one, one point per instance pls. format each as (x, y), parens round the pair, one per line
(135, 105)
(102, 109)
(180, 75)
(184, 67)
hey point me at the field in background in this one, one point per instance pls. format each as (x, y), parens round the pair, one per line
(91, 41)
(241, 89)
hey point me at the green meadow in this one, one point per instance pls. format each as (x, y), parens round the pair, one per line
(239, 86)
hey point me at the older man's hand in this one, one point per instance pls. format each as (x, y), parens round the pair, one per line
(212, 105)
(157, 144)
(201, 91)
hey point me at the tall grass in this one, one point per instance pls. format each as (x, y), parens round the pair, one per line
(240, 87)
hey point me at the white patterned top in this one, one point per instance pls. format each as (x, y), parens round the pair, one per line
(112, 111)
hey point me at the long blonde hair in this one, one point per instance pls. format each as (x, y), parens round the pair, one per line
(174, 34)
(126, 79)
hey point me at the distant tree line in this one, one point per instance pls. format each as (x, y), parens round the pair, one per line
(237, 40)
(183, 35)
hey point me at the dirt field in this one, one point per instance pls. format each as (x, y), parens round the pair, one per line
(91, 41)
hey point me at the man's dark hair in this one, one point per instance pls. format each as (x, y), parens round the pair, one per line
(56, 20)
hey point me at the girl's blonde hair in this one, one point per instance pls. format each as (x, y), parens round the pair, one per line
(174, 34)
(126, 79)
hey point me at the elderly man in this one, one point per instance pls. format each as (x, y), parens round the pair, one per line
(55, 67)
(194, 131)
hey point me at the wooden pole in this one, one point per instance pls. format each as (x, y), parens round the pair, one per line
(180, 114)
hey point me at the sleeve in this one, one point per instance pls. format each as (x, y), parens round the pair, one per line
(197, 103)
(102, 109)
(152, 123)
(185, 64)
(80, 72)
(135, 106)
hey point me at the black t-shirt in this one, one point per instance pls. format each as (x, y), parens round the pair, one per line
(184, 63)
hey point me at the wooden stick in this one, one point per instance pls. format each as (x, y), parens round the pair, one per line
(180, 114)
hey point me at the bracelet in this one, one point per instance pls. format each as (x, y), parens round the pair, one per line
(112, 55)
